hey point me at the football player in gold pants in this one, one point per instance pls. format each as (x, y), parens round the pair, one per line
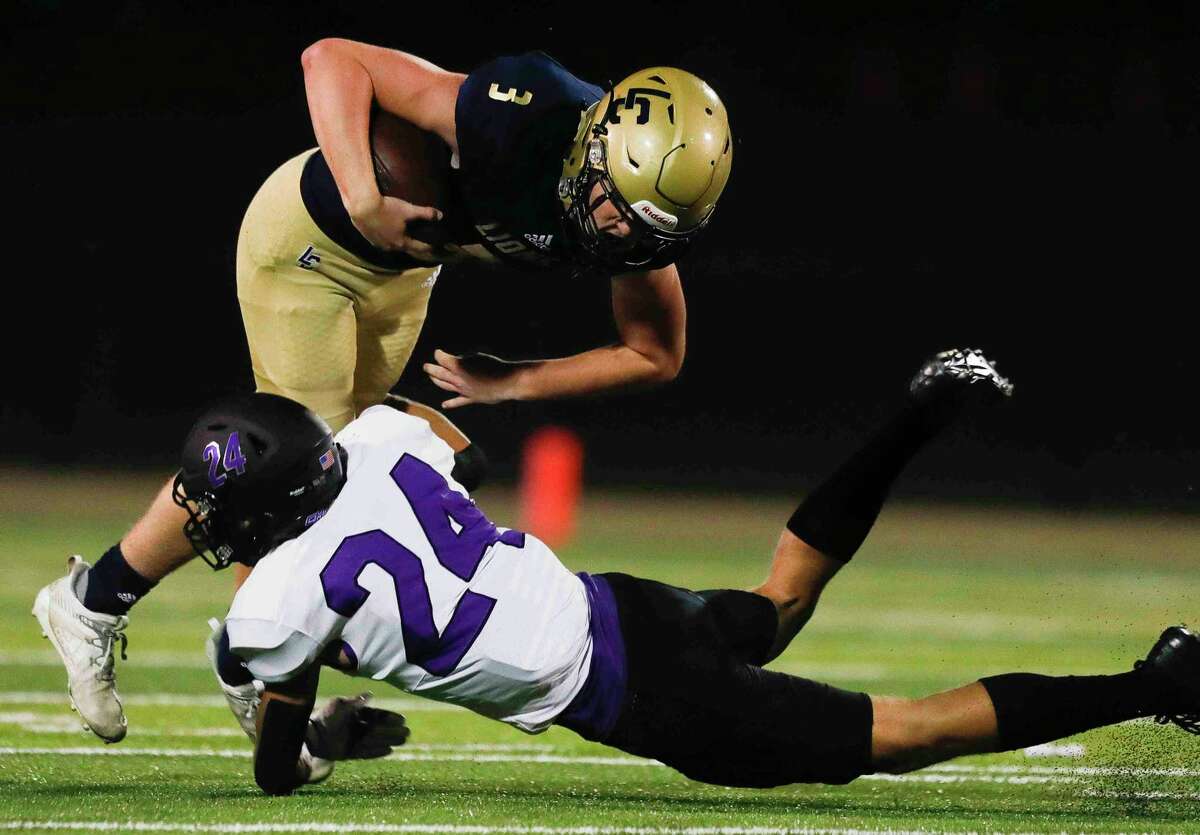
(333, 280)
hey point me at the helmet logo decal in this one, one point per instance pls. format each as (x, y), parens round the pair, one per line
(233, 462)
(635, 97)
(326, 459)
(655, 216)
(510, 94)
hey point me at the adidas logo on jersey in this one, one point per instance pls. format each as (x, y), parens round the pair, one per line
(309, 258)
(126, 597)
(539, 241)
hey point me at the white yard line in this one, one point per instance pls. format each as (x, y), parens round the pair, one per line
(43, 723)
(55, 697)
(401, 756)
(163, 658)
(437, 828)
(1074, 770)
(33, 750)
(1073, 750)
(1157, 795)
(944, 773)
(76, 728)
(1013, 779)
(69, 724)
(427, 828)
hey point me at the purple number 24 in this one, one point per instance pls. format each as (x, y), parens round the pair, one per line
(458, 551)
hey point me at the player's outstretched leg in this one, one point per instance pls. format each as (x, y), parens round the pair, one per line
(1016, 710)
(830, 525)
(84, 613)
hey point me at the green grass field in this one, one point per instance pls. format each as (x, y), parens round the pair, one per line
(938, 596)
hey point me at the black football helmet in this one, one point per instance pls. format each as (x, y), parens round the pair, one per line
(257, 470)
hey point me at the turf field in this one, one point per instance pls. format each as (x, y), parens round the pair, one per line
(937, 597)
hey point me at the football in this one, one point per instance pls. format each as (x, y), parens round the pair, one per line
(410, 163)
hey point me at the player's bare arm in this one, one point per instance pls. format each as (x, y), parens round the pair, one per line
(651, 320)
(342, 80)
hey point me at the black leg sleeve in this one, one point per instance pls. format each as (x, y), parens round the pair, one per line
(838, 515)
(1032, 709)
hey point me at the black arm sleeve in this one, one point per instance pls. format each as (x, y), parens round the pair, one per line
(283, 722)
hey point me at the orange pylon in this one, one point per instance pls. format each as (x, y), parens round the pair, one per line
(551, 482)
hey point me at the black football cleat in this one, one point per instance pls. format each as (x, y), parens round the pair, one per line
(959, 369)
(952, 380)
(1176, 657)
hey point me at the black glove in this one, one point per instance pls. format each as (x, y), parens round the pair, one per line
(346, 729)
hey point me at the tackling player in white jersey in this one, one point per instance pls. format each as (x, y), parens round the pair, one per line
(372, 559)
(409, 579)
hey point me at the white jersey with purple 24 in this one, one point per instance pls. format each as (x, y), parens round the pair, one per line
(410, 579)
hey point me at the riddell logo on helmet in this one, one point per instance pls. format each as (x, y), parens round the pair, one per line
(655, 216)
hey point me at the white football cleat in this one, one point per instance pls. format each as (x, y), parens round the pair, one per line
(85, 641)
(242, 699)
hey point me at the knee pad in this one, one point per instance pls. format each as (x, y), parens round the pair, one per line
(746, 621)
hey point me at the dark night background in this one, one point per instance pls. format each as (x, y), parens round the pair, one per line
(903, 180)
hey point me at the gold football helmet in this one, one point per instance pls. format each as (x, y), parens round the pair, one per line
(659, 146)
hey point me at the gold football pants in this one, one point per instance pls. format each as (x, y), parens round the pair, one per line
(324, 328)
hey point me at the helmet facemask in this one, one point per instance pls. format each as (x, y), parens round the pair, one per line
(224, 529)
(216, 534)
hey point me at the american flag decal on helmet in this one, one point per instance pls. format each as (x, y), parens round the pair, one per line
(326, 459)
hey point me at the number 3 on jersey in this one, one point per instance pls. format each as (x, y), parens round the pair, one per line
(459, 551)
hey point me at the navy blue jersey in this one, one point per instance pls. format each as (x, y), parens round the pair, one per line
(516, 117)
